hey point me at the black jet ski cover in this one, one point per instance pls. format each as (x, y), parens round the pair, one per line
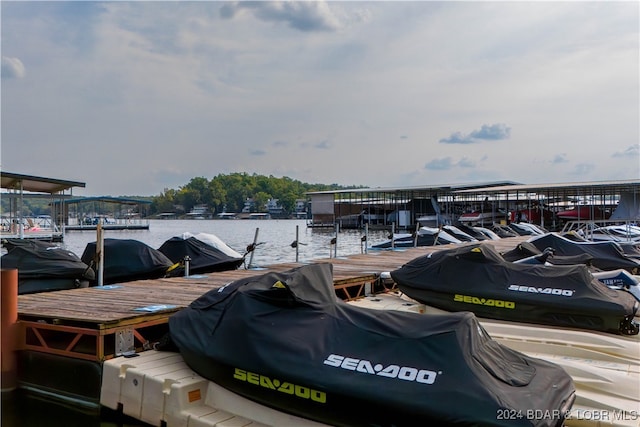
(126, 260)
(527, 250)
(606, 255)
(285, 341)
(476, 278)
(203, 258)
(44, 266)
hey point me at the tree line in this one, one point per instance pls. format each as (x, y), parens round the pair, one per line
(230, 192)
(222, 192)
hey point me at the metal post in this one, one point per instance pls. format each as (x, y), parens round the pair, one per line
(255, 242)
(187, 261)
(393, 232)
(297, 240)
(20, 213)
(335, 247)
(366, 238)
(100, 253)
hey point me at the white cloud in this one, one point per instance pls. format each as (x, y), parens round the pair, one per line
(12, 68)
(313, 88)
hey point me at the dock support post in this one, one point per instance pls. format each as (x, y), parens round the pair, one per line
(297, 241)
(393, 234)
(255, 242)
(335, 246)
(100, 253)
(9, 324)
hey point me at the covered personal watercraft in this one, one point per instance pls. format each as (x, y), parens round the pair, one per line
(527, 252)
(476, 278)
(606, 255)
(126, 260)
(44, 266)
(425, 236)
(285, 341)
(203, 257)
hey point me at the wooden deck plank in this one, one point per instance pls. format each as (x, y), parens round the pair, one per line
(118, 305)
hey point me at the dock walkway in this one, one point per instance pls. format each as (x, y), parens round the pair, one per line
(144, 301)
(99, 323)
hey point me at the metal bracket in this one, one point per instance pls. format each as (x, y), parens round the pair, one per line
(124, 342)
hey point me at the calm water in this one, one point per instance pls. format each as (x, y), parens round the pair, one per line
(274, 237)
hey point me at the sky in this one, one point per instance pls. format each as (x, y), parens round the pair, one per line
(133, 98)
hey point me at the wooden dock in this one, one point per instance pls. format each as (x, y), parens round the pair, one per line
(99, 323)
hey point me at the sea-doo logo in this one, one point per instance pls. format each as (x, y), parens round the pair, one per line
(405, 373)
(277, 385)
(490, 302)
(546, 291)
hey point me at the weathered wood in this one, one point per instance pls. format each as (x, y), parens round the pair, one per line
(108, 307)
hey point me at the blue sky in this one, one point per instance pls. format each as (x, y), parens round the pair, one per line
(136, 97)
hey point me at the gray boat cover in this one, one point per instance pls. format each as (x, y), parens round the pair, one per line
(285, 341)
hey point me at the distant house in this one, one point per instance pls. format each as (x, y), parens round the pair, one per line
(199, 212)
(275, 209)
(249, 205)
(301, 211)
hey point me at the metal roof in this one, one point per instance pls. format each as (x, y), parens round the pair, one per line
(108, 199)
(36, 184)
(444, 188)
(586, 187)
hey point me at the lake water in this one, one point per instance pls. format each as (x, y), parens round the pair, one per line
(274, 238)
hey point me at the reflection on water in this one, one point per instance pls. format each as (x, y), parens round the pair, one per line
(20, 409)
(275, 240)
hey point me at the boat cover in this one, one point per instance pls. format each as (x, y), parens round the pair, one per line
(606, 255)
(475, 277)
(426, 236)
(285, 341)
(203, 258)
(44, 266)
(126, 260)
(527, 250)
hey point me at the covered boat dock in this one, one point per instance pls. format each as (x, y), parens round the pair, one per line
(84, 213)
(19, 187)
(405, 207)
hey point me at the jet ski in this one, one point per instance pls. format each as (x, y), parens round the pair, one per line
(476, 277)
(425, 236)
(126, 260)
(615, 279)
(44, 266)
(606, 255)
(286, 341)
(203, 257)
(528, 253)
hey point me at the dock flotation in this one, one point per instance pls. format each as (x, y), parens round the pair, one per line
(157, 387)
